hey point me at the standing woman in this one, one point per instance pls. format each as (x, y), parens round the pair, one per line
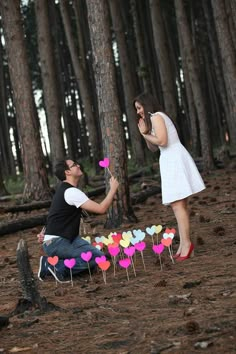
(180, 177)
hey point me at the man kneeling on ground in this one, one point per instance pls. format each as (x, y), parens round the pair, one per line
(61, 236)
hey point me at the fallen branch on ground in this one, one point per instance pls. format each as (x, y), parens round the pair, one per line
(33, 221)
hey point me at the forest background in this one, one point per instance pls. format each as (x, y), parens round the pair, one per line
(80, 63)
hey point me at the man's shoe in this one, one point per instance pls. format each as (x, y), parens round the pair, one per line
(43, 267)
(57, 275)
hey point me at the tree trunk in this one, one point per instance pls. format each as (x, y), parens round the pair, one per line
(232, 4)
(7, 160)
(109, 111)
(230, 7)
(36, 182)
(188, 51)
(195, 148)
(143, 70)
(78, 61)
(128, 87)
(228, 63)
(3, 190)
(31, 297)
(27, 281)
(217, 67)
(167, 73)
(50, 87)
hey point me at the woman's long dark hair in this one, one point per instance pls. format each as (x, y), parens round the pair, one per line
(150, 105)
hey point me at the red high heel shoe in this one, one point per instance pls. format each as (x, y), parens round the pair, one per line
(190, 254)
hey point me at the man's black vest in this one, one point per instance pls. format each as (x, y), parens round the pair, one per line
(63, 219)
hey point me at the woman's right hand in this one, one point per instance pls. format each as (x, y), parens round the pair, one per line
(142, 126)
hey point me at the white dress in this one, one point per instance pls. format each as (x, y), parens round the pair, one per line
(180, 177)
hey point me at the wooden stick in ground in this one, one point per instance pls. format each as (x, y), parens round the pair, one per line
(160, 261)
(171, 257)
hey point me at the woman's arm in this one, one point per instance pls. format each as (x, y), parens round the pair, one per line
(151, 147)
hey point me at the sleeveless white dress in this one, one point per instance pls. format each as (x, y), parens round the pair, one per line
(180, 177)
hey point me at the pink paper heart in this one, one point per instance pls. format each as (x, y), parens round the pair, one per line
(70, 263)
(129, 251)
(114, 251)
(105, 162)
(166, 241)
(100, 259)
(53, 260)
(86, 256)
(140, 246)
(125, 263)
(158, 248)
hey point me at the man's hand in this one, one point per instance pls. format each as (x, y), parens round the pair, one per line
(114, 184)
(40, 236)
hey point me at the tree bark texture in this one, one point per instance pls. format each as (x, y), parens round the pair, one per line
(167, 73)
(217, 67)
(109, 110)
(50, 88)
(82, 78)
(228, 63)
(7, 161)
(36, 182)
(22, 224)
(3, 190)
(128, 87)
(143, 70)
(195, 144)
(27, 281)
(188, 52)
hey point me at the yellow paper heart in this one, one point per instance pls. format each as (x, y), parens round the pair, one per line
(127, 235)
(107, 241)
(87, 238)
(110, 236)
(124, 243)
(158, 229)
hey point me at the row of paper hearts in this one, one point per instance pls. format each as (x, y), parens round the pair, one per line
(104, 264)
(126, 238)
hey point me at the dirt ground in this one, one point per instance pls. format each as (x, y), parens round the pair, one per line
(188, 307)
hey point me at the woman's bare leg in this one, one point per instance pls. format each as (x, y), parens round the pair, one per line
(180, 209)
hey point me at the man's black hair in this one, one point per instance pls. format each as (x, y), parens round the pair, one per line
(60, 169)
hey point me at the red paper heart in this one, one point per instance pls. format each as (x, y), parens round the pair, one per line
(53, 260)
(98, 244)
(104, 265)
(166, 241)
(170, 231)
(113, 245)
(117, 238)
